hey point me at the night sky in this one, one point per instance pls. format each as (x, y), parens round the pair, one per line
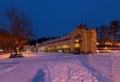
(59, 17)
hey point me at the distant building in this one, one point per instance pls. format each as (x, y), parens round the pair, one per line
(30, 48)
(81, 40)
(108, 44)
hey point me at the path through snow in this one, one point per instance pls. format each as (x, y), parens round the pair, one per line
(70, 71)
(45, 68)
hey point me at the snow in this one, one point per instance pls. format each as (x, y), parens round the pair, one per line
(107, 64)
(49, 67)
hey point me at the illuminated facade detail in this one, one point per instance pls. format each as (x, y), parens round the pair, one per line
(28, 50)
(80, 40)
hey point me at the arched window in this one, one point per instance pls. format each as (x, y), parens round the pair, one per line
(77, 38)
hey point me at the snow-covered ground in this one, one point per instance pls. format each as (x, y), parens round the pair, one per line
(108, 64)
(48, 67)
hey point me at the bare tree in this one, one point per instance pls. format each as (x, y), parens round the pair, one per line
(3, 39)
(18, 27)
(102, 34)
(114, 29)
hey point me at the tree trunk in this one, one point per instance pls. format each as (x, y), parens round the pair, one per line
(15, 50)
(17, 45)
(114, 43)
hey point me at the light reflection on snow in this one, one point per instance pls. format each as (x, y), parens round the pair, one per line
(57, 67)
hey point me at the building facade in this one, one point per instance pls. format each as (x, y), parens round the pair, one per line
(81, 40)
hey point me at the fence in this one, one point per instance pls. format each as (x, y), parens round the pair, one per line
(107, 65)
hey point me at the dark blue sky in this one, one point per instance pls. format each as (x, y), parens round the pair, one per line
(59, 17)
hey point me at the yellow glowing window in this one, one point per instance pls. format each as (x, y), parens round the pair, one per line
(118, 44)
(64, 46)
(108, 43)
(49, 48)
(76, 40)
(52, 47)
(57, 46)
(77, 45)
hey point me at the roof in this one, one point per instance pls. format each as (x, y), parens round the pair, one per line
(82, 26)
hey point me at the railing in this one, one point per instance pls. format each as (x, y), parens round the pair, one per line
(107, 65)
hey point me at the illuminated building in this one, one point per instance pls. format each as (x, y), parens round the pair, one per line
(81, 40)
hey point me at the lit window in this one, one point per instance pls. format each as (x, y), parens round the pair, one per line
(77, 45)
(76, 40)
